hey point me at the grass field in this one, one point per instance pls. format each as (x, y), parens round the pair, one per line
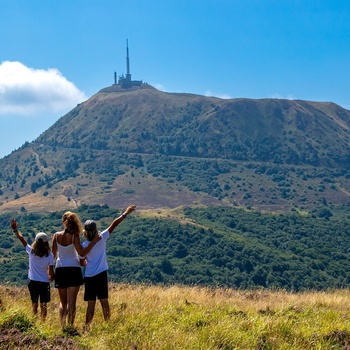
(176, 317)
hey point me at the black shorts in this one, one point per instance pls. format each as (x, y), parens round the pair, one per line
(39, 289)
(68, 277)
(96, 286)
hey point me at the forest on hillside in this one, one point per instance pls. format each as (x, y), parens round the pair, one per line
(212, 246)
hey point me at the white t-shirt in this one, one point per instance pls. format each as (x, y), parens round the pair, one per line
(38, 267)
(96, 259)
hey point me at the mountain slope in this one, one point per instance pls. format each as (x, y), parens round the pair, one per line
(166, 149)
(149, 121)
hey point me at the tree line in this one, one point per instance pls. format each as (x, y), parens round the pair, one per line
(218, 246)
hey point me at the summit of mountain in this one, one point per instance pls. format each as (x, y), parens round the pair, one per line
(161, 149)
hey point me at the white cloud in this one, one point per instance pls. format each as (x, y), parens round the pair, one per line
(29, 91)
(209, 93)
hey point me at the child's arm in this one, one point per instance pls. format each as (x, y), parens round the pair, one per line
(14, 226)
(119, 219)
(50, 273)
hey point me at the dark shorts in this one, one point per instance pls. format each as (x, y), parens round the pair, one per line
(39, 289)
(68, 277)
(96, 286)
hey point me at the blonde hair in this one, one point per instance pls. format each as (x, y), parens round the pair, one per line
(71, 223)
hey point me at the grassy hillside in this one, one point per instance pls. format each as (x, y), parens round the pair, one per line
(166, 150)
(182, 318)
(41, 179)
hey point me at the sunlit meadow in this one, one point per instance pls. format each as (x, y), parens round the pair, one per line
(179, 317)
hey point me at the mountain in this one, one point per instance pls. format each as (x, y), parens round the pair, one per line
(160, 149)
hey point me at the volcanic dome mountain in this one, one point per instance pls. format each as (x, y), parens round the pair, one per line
(159, 149)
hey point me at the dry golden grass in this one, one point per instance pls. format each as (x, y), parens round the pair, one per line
(178, 317)
(175, 214)
(38, 203)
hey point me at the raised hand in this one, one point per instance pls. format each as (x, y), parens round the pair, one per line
(14, 224)
(130, 209)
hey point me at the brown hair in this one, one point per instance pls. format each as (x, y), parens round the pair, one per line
(71, 223)
(40, 248)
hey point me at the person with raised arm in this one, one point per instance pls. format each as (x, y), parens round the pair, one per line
(96, 282)
(40, 271)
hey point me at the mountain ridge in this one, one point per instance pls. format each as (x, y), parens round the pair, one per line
(135, 142)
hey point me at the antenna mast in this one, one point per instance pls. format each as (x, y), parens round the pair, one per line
(126, 82)
(127, 59)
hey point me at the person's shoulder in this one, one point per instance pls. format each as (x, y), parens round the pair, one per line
(54, 236)
(29, 248)
(57, 236)
(105, 234)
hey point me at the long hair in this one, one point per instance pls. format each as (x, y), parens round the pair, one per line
(71, 223)
(89, 233)
(40, 248)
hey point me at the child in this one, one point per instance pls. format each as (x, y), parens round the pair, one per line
(40, 271)
(96, 284)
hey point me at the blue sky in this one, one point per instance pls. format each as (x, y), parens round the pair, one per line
(55, 54)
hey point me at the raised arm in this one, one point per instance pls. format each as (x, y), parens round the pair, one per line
(120, 218)
(14, 226)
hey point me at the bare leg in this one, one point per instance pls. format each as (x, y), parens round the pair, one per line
(63, 305)
(72, 300)
(105, 309)
(43, 308)
(35, 308)
(90, 311)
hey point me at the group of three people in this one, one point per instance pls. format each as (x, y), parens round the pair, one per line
(70, 256)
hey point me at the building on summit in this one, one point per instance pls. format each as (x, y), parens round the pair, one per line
(125, 81)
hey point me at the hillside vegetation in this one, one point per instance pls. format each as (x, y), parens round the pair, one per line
(164, 150)
(182, 318)
(241, 235)
(212, 246)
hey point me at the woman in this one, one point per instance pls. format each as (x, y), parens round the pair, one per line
(68, 276)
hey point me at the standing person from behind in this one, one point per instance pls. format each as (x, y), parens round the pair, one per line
(66, 247)
(40, 271)
(96, 282)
